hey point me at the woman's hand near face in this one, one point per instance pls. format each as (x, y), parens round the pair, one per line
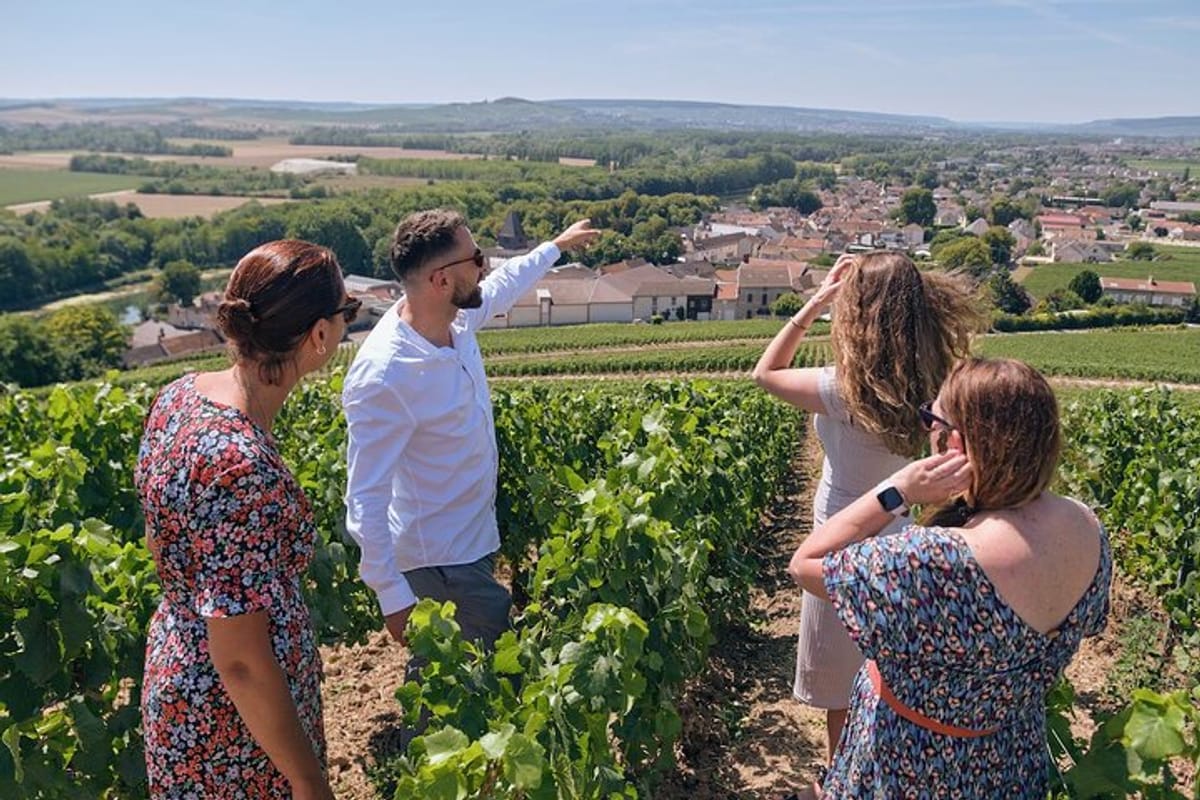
(832, 284)
(934, 479)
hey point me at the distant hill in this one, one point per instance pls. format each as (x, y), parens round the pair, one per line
(511, 114)
(1186, 127)
(685, 114)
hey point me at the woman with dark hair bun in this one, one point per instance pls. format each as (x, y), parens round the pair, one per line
(231, 704)
(968, 618)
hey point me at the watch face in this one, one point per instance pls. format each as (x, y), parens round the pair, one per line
(890, 498)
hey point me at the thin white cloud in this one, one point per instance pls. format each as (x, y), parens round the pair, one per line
(1174, 23)
(691, 39)
(875, 53)
(1048, 12)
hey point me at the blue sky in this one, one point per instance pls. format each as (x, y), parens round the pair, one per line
(1015, 60)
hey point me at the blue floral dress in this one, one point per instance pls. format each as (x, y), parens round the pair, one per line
(946, 644)
(232, 533)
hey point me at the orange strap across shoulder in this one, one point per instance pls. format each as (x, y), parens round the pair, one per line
(916, 717)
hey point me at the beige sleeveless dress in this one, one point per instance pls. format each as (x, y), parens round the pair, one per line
(855, 461)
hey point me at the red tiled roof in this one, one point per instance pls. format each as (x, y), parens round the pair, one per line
(767, 275)
(191, 342)
(1060, 221)
(727, 291)
(1148, 285)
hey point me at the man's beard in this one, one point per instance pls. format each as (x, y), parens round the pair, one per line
(467, 299)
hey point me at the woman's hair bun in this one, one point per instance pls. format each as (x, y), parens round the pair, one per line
(237, 317)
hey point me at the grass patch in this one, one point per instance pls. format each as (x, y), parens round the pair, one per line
(623, 334)
(33, 185)
(1151, 354)
(1139, 663)
(1165, 165)
(1183, 265)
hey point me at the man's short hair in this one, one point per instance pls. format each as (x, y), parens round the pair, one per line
(422, 236)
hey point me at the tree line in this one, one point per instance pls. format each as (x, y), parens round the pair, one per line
(712, 177)
(858, 153)
(106, 138)
(173, 177)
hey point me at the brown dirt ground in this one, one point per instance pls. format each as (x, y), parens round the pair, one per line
(171, 206)
(253, 153)
(744, 734)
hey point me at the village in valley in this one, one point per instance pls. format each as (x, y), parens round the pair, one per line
(752, 260)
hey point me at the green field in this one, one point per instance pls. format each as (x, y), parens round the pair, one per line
(1160, 354)
(32, 185)
(1173, 166)
(1183, 265)
(619, 334)
(1168, 354)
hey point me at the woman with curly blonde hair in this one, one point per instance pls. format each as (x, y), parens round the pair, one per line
(897, 332)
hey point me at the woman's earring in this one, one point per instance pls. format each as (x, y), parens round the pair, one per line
(321, 350)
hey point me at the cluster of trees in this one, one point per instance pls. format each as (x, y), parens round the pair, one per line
(179, 282)
(469, 169)
(1121, 195)
(711, 177)
(634, 225)
(77, 244)
(106, 138)
(617, 149)
(1004, 211)
(976, 255)
(917, 207)
(75, 343)
(80, 245)
(173, 177)
(1141, 251)
(905, 158)
(790, 193)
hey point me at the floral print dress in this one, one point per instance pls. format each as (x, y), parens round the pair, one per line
(232, 533)
(950, 648)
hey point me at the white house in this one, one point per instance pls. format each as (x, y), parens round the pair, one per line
(949, 216)
(1149, 291)
(579, 297)
(914, 236)
(1075, 251)
(979, 227)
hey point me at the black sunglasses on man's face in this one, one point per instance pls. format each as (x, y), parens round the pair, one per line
(477, 257)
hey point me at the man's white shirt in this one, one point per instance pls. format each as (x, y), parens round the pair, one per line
(421, 483)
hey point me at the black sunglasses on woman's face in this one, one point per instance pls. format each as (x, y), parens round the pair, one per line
(929, 419)
(348, 309)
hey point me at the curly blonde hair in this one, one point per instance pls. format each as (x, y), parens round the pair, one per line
(896, 333)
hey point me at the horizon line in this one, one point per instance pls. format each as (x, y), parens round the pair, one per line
(409, 103)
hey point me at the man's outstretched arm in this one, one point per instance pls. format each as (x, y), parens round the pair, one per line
(503, 287)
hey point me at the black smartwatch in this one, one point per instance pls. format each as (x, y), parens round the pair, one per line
(891, 500)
